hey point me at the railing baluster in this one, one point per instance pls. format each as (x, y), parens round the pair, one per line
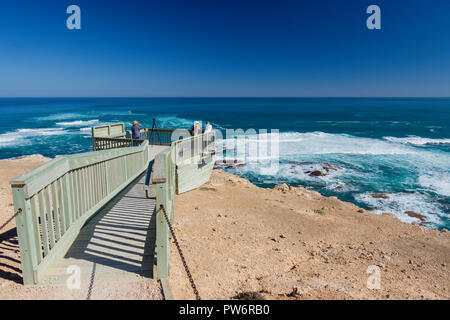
(57, 222)
(37, 234)
(50, 224)
(79, 194)
(74, 195)
(43, 215)
(67, 200)
(62, 214)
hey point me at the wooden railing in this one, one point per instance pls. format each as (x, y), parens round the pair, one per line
(55, 200)
(193, 148)
(106, 143)
(164, 180)
(162, 137)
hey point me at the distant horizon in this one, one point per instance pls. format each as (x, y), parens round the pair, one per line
(235, 97)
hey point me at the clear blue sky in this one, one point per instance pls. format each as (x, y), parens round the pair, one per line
(224, 48)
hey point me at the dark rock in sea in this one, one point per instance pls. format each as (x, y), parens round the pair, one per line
(339, 187)
(379, 196)
(328, 167)
(416, 215)
(317, 173)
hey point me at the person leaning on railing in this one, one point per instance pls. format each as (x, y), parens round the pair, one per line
(136, 132)
(196, 129)
(208, 127)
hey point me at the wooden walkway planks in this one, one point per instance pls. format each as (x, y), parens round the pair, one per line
(119, 241)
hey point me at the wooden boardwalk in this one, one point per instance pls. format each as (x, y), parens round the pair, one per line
(116, 244)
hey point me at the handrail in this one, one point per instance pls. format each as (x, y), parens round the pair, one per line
(195, 147)
(164, 181)
(102, 141)
(57, 197)
(106, 143)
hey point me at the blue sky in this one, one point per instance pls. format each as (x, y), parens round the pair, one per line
(224, 48)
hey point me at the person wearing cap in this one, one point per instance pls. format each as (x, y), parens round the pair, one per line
(136, 130)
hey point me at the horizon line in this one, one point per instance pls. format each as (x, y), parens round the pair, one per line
(230, 97)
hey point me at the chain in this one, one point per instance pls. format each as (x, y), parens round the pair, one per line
(91, 283)
(9, 220)
(191, 280)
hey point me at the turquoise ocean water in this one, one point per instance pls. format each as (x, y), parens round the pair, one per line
(398, 147)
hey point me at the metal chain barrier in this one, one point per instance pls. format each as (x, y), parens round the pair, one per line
(91, 283)
(191, 280)
(9, 220)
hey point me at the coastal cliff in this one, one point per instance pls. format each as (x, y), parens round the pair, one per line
(243, 241)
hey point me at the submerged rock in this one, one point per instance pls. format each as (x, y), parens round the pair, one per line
(416, 215)
(328, 167)
(379, 196)
(317, 173)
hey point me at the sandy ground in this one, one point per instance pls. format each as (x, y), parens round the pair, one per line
(11, 287)
(290, 243)
(285, 243)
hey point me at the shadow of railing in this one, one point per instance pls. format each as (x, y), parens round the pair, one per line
(10, 267)
(122, 234)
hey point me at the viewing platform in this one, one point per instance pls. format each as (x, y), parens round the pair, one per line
(98, 215)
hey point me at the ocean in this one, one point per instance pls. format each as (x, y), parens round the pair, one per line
(398, 147)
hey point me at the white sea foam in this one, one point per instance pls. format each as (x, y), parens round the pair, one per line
(361, 163)
(416, 140)
(77, 123)
(174, 122)
(436, 182)
(292, 143)
(41, 132)
(10, 139)
(20, 136)
(399, 203)
(88, 114)
(63, 116)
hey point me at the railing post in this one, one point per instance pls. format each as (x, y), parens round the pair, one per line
(25, 233)
(162, 234)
